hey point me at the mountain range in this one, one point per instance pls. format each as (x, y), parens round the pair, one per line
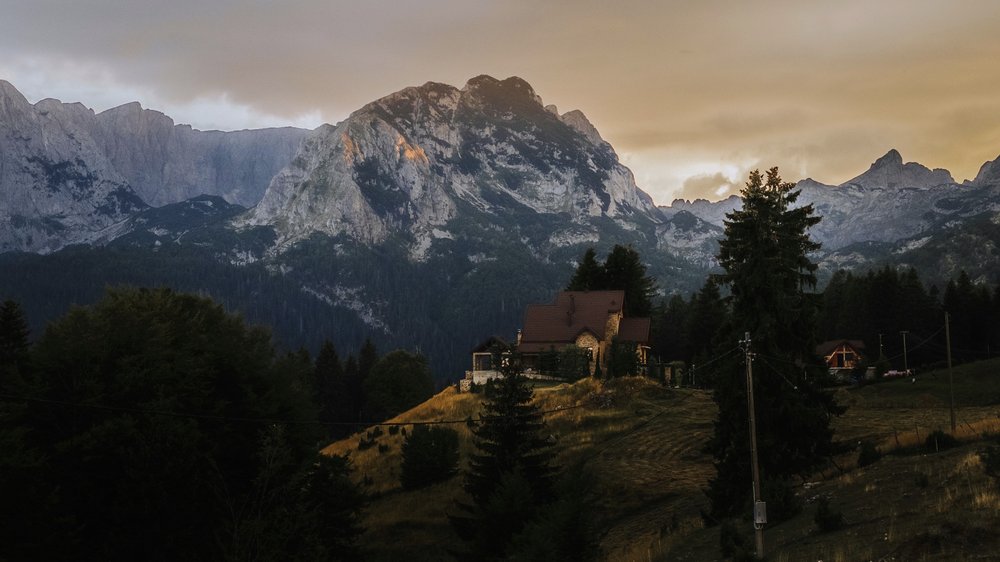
(427, 219)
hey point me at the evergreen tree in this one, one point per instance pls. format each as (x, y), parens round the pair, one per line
(589, 274)
(397, 382)
(623, 269)
(669, 333)
(706, 317)
(332, 391)
(509, 476)
(13, 335)
(355, 389)
(430, 454)
(109, 475)
(767, 269)
(367, 358)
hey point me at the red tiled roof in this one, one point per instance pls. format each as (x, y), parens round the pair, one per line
(573, 313)
(634, 329)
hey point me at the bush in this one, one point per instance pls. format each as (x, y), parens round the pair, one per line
(939, 441)
(782, 503)
(733, 544)
(869, 454)
(826, 518)
(990, 458)
(430, 454)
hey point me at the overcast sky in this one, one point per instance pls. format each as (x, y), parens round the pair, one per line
(692, 94)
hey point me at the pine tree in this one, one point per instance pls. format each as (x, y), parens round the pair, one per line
(589, 274)
(355, 389)
(13, 335)
(331, 390)
(509, 476)
(768, 271)
(623, 269)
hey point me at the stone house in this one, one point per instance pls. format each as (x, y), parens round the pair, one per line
(589, 320)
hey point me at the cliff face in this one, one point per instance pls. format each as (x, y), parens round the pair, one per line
(67, 174)
(408, 162)
(167, 163)
(56, 185)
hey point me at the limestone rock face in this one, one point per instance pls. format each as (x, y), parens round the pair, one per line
(890, 202)
(56, 185)
(66, 174)
(411, 161)
(989, 174)
(167, 163)
(889, 172)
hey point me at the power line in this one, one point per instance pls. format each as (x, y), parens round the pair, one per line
(285, 421)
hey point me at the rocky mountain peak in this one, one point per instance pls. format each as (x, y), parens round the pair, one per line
(889, 172)
(579, 121)
(509, 92)
(407, 162)
(989, 173)
(11, 101)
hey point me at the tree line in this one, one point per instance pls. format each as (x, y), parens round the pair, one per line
(875, 307)
(154, 425)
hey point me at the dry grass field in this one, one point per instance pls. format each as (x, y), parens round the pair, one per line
(642, 445)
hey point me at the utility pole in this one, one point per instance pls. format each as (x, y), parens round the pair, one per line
(759, 507)
(881, 353)
(906, 364)
(951, 380)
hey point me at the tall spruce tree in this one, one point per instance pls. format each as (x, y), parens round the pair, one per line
(332, 392)
(13, 335)
(510, 476)
(589, 274)
(622, 270)
(768, 272)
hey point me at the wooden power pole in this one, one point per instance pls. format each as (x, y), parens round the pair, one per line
(759, 507)
(951, 379)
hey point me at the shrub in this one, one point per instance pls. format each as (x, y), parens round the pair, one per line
(782, 503)
(939, 441)
(733, 544)
(826, 518)
(990, 458)
(430, 454)
(869, 454)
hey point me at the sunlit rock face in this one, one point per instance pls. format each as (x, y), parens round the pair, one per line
(411, 161)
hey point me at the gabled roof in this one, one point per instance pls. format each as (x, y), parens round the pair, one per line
(634, 329)
(490, 343)
(827, 347)
(571, 314)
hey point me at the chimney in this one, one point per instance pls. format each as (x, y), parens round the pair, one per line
(571, 311)
(518, 340)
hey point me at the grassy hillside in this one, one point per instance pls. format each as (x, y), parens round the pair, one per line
(642, 443)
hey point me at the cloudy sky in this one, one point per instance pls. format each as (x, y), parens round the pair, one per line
(692, 94)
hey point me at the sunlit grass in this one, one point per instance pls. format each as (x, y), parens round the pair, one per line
(644, 446)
